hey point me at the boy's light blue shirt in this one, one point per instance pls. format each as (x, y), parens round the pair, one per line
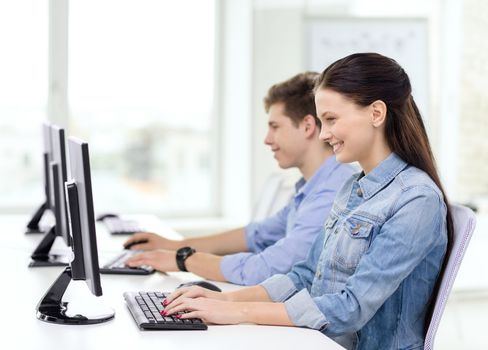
(368, 278)
(278, 242)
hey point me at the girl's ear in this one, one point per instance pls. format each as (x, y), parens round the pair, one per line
(378, 117)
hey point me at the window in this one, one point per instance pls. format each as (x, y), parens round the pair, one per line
(23, 91)
(141, 91)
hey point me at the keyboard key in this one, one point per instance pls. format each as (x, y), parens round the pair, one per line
(159, 318)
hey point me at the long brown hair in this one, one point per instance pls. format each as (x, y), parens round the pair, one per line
(367, 77)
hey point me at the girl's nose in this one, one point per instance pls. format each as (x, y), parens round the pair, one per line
(325, 134)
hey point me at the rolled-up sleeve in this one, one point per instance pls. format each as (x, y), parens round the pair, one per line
(304, 312)
(300, 307)
(279, 287)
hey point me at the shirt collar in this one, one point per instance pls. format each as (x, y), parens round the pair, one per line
(303, 187)
(380, 176)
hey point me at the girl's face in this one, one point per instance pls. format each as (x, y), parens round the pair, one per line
(346, 126)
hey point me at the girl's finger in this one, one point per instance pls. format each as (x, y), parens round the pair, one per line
(176, 294)
(184, 306)
(192, 314)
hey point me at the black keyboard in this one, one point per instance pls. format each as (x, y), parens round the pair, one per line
(146, 309)
(117, 265)
(118, 226)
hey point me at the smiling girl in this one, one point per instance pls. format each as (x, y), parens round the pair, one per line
(369, 278)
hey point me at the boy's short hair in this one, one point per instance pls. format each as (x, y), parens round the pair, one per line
(297, 95)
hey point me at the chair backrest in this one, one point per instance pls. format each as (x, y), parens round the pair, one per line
(275, 195)
(464, 222)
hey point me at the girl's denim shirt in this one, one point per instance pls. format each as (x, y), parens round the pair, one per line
(369, 276)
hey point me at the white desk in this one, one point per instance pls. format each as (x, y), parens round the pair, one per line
(23, 287)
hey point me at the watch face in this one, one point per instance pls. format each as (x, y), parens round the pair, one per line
(185, 251)
(181, 255)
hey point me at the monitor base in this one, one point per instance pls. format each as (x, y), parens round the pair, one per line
(61, 314)
(52, 309)
(36, 231)
(52, 260)
(41, 257)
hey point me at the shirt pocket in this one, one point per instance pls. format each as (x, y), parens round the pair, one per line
(352, 242)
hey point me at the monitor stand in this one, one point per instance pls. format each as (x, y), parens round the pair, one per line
(53, 309)
(33, 224)
(41, 256)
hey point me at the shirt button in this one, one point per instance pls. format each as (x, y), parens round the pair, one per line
(318, 274)
(356, 229)
(359, 192)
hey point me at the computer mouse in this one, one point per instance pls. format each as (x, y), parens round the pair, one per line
(104, 216)
(203, 284)
(128, 246)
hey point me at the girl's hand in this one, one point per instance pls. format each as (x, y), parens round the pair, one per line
(209, 310)
(194, 292)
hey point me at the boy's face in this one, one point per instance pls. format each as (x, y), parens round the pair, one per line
(287, 141)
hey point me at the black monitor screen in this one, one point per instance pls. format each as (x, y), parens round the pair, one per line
(82, 221)
(58, 166)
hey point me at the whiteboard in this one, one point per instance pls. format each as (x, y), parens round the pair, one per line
(403, 39)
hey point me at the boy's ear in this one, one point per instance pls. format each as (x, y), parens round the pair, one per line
(309, 123)
(378, 113)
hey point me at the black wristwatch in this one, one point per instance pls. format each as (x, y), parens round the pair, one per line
(181, 255)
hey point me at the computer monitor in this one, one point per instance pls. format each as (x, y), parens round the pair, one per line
(84, 266)
(33, 224)
(57, 176)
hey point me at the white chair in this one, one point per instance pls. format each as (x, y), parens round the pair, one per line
(275, 194)
(464, 223)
